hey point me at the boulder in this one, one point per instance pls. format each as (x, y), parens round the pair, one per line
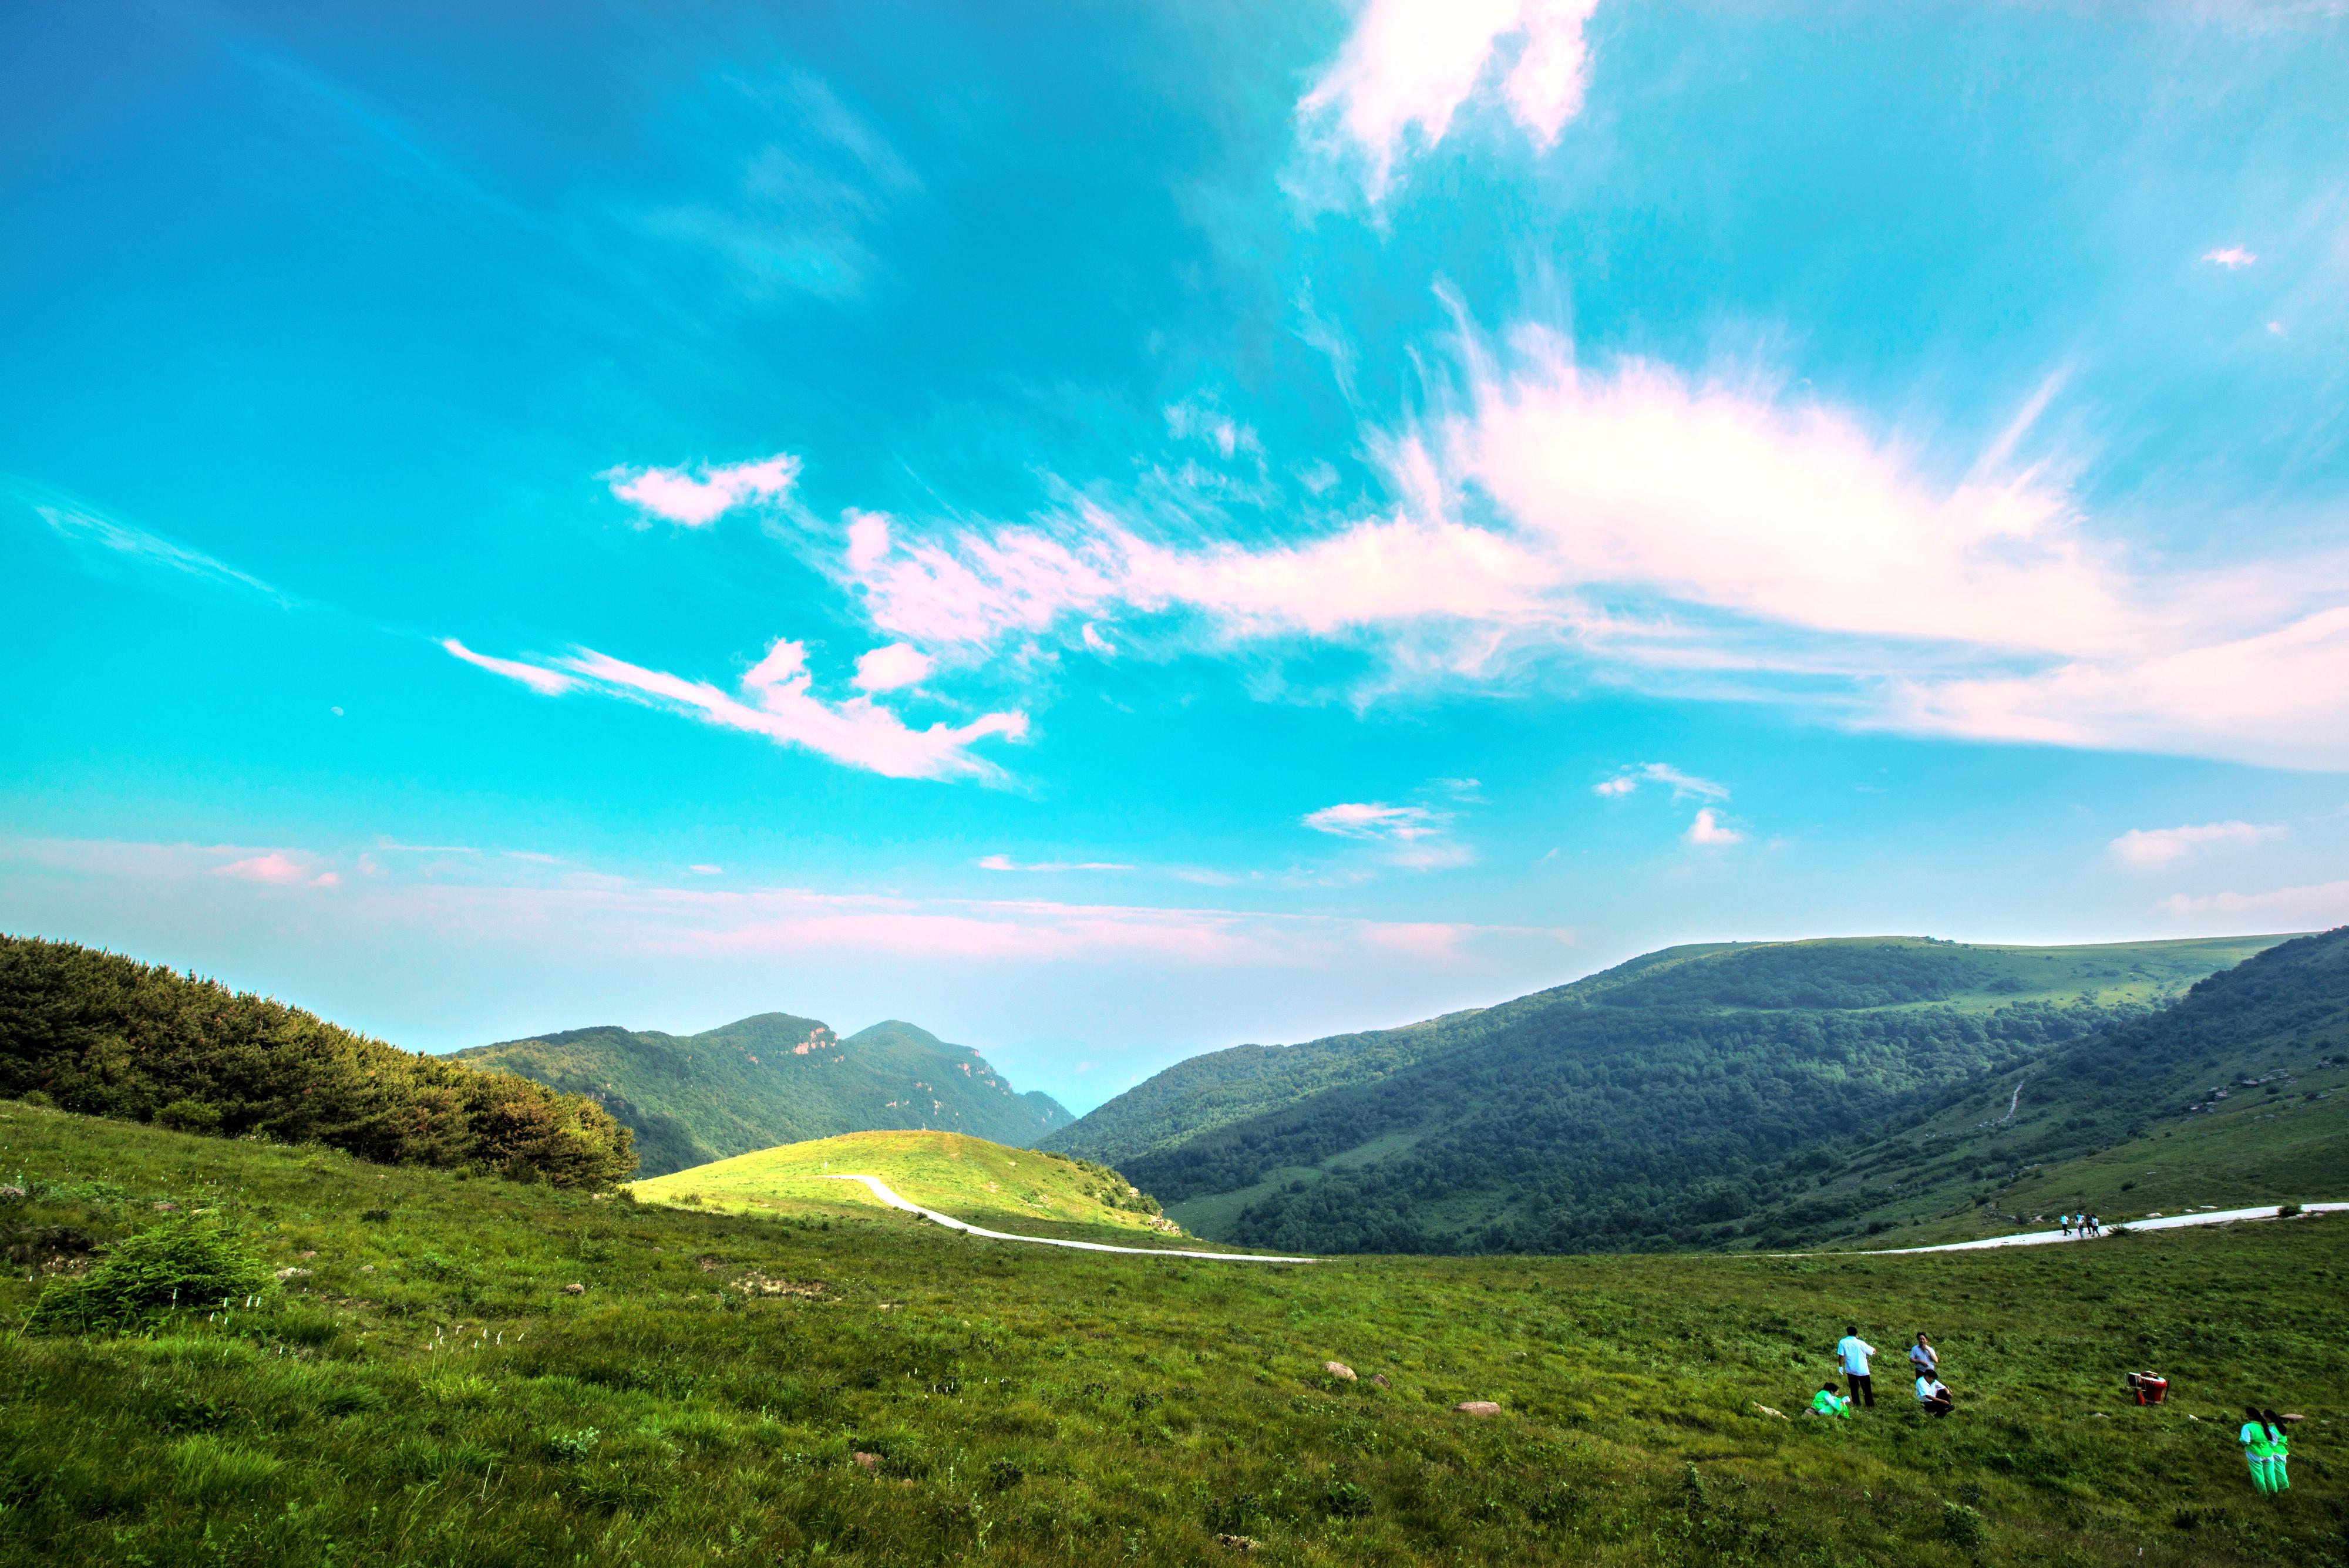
(1339, 1370)
(1379, 1380)
(868, 1461)
(574, 1289)
(1477, 1408)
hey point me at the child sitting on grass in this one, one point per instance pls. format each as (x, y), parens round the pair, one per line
(1827, 1402)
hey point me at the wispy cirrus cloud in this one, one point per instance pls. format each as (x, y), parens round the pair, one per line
(2151, 849)
(2313, 906)
(1683, 785)
(1374, 819)
(2234, 258)
(1005, 863)
(697, 497)
(775, 698)
(87, 528)
(618, 914)
(1716, 535)
(1408, 66)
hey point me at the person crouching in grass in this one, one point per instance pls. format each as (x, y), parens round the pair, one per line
(1827, 1402)
(1933, 1395)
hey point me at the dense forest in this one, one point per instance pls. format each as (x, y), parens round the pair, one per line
(105, 1035)
(1592, 1127)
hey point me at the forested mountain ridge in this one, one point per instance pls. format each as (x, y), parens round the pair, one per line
(2229, 1097)
(1632, 1108)
(775, 1078)
(1215, 1090)
(105, 1035)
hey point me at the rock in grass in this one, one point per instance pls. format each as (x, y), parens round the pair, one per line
(1379, 1380)
(574, 1289)
(293, 1273)
(867, 1461)
(1477, 1408)
(1339, 1370)
(1238, 1542)
(1769, 1409)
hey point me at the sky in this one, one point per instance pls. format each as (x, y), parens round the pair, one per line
(1113, 532)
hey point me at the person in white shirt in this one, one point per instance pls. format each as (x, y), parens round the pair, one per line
(1933, 1395)
(1853, 1352)
(1923, 1358)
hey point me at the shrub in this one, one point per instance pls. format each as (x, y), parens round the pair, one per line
(1963, 1526)
(2290, 1212)
(186, 1263)
(189, 1117)
(573, 1446)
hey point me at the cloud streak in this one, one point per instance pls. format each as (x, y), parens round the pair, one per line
(1683, 785)
(775, 699)
(2150, 848)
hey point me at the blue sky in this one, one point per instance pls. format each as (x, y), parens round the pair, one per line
(1113, 532)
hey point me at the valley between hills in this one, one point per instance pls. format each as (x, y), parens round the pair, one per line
(284, 1293)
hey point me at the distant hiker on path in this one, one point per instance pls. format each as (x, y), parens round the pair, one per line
(1933, 1395)
(1923, 1357)
(1827, 1402)
(1853, 1352)
(2067, 1225)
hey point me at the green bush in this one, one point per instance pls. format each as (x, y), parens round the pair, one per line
(189, 1117)
(1964, 1526)
(187, 1263)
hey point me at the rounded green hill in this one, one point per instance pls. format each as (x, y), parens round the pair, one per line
(970, 1179)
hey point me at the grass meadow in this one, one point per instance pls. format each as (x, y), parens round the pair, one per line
(431, 1392)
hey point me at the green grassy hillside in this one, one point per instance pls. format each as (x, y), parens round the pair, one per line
(1206, 1092)
(2225, 1099)
(105, 1034)
(1016, 1190)
(1661, 1103)
(775, 1079)
(429, 1390)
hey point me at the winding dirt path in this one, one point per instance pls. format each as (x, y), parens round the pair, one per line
(882, 1190)
(2044, 1238)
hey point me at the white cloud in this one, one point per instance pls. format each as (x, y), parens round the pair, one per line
(2152, 848)
(281, 869)
(887, 669)
(1374, 819)
(1713, 535)
(1683, 785)
(545, 683)
(2317, 907)
(701, 870)
(776, 700)
(81, 526)
(1710, 831)
(697, 499)
(2233, 258)
(1005, 863)
(1408, 64)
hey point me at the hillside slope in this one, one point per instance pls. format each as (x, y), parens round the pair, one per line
(103, 1034)
(775, 1079)
(1020, 1190)
(2227, 1098)
(477, 1372)
(1638, 1108)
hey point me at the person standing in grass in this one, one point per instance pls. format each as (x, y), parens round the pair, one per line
(1922, 1357)
(1827, 1402)
(1853, 1352)
(2259, 1436)
(2279, 1451)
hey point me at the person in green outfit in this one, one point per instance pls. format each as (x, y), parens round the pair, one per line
(2279, 1452)
(1827, 1402)
(2259, 1436)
